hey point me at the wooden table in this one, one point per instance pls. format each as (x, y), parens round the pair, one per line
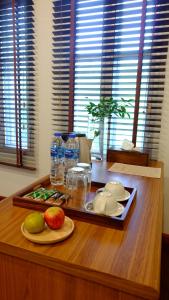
(96, 262)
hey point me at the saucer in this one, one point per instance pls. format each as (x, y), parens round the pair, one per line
(117, 212)
(126, 195)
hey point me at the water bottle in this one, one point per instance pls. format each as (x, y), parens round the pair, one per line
(77, 150)
(71, 152)
(57, 160)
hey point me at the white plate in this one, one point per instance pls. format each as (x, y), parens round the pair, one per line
(117, 212)
(126, 195)
(49, 236)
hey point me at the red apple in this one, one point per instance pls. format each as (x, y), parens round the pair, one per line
(54, 217)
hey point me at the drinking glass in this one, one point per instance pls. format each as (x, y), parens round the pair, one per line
(76, 183)
(88, 171)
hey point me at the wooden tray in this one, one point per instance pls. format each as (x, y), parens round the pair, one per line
(74, 207)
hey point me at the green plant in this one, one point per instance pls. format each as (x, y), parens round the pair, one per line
(106, 107)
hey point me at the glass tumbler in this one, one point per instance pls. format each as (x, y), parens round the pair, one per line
(76, 183)
(88, 171)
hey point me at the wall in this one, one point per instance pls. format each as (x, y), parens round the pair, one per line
(164, 149)
(12, 179)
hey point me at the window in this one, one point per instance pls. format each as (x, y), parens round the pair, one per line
(111, 48)
(17, 103)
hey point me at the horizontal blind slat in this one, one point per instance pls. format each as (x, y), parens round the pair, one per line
(21, 87)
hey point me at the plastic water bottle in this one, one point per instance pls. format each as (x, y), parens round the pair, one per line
(57, 160)
(71, 152)
(77, 150)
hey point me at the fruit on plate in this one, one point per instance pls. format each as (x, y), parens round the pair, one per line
(34, 222)
(54, 217)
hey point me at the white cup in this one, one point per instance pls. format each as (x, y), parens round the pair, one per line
(104, 203)
(116, 189)
(111, 205)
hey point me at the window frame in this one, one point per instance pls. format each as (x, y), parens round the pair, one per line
(18, 151)
(150, 24)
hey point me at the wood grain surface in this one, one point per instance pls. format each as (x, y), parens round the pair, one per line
(123, 264)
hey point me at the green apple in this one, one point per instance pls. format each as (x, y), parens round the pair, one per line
(34, 222)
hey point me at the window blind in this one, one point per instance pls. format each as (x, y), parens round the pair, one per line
(61, 64)
(111, 48)
(17, 101)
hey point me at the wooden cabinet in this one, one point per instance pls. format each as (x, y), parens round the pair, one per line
(95, 262)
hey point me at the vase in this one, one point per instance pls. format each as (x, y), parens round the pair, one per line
(98, 132)
(103, 137)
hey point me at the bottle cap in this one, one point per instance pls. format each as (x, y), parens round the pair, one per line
(57, 134)
(72, 135)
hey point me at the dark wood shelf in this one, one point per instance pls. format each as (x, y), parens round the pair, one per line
(133, 157)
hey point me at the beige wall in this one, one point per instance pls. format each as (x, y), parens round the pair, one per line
(164, 149)
(12, 179)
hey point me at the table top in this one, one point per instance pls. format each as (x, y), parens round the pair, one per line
(127, 259)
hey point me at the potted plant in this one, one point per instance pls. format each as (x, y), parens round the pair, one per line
(106, 107)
